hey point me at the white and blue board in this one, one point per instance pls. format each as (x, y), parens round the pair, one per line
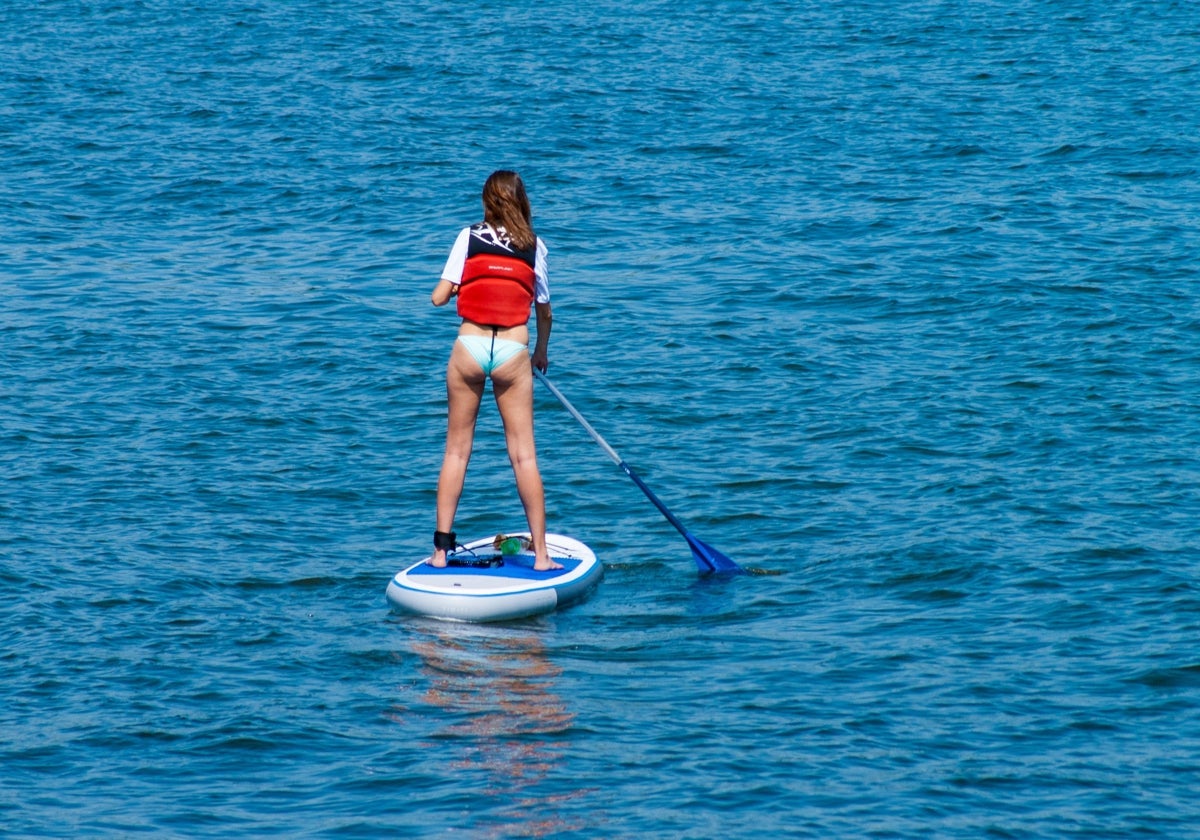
(480, 583)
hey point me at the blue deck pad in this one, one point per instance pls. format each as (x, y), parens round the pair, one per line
(515, 566)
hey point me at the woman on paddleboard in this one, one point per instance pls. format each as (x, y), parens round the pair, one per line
(497, 271)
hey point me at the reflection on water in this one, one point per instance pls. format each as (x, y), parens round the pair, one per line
(503, 720)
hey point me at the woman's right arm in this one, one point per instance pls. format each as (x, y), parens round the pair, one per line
(442, 292)
(446, 289)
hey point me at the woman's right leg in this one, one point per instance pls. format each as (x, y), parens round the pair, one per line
(464, 391)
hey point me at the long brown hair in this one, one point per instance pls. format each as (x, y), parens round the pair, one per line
(506, 205)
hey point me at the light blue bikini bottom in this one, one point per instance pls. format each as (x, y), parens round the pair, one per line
(491, 352)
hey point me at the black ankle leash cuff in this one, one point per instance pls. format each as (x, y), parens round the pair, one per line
(446, 541)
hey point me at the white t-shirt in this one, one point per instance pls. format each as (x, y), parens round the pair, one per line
(458, 259)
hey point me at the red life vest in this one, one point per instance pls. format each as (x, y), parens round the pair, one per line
(497, 285)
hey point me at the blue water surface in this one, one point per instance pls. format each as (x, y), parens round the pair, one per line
(895, 303)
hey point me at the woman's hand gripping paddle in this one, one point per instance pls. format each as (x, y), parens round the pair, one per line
(708, 559)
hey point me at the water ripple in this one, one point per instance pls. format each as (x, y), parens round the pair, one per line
(913, 332)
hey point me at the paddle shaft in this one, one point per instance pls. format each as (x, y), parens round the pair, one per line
(612, 453)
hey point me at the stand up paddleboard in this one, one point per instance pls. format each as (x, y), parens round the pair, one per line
(493, 579)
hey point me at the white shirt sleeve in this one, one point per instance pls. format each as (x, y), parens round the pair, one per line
(541, 286)
(458, 258)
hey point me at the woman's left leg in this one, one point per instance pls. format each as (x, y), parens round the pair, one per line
(464, 391)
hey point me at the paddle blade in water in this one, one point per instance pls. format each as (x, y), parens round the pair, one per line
(710, 561)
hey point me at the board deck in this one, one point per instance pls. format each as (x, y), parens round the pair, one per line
(480, 583)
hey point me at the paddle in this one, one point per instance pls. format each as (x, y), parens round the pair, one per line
(707, 558)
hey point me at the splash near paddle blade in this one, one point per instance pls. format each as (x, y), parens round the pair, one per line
(710, 561)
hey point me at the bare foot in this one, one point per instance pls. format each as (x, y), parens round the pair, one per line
(545, 564)
(438, 560)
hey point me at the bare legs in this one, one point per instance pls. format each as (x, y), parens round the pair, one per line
(512, 385)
